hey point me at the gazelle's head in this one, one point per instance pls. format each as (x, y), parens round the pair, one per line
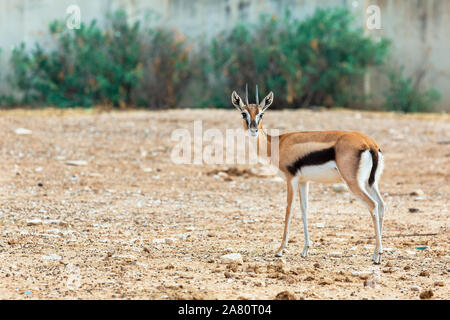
(252, 114)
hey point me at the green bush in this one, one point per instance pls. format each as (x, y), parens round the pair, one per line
(317, 61)
(402, 95)
(166, 70)
(93, 66)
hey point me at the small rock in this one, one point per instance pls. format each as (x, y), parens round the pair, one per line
(76, 163)
(439, 283)
(424, 273)
(34, 222)
(228, 275)
(158, 241)
(413, 210)
(427, 294)
(23, 131)
(335, 254)
(415, 288)
(232, 258)
(417, 192)
(285, 295)
(325, 282)
(339, 187)
(320, 225)
(371, 283)
(277, 179)
(51, 257)
(170, 240)
(260, 283)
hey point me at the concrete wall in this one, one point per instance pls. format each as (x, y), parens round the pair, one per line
(418, 28)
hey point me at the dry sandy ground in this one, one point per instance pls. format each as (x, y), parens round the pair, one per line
(113, 228)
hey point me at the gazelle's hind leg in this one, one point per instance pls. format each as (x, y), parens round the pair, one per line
(355, 170)
(375, 194)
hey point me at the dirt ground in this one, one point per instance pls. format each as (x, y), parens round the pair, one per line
(128, 223)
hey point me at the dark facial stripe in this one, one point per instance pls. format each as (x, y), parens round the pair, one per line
(314, 158)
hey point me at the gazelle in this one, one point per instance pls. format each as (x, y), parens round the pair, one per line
(319, 156)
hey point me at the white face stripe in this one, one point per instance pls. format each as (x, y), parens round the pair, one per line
(259, 117)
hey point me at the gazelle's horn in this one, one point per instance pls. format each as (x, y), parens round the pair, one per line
(246, 94)
(257, 98)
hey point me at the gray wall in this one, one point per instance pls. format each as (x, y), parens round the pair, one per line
(419, 28)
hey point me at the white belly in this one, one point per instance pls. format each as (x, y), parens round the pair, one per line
(324, 173)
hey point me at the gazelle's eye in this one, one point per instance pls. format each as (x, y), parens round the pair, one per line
(244, 115)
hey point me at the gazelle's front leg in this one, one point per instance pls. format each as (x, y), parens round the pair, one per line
(291, 190)
(304, 204)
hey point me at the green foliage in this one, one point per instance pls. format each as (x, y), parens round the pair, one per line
(402, 95)
(93, 66)
(320, 60)
(166, 68)
(317, 61)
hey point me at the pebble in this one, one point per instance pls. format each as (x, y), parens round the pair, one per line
(427, 294)
(339, 187)
(439, 283)
(232, 257)
(76, 163)
(424, 273)
(34, 222)
(170, 240)
(335, 254)
(415, 288)
(285, 295)
(320, 225)
(417, 192)
(158, 241)
(277, 179)
(23, 131)
(51, 257)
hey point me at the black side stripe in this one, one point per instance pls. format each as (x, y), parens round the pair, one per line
(314, 158)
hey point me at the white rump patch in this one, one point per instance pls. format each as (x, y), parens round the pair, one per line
(380, 167)
(365, 166)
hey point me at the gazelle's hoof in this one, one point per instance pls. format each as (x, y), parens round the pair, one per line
(305, 252)
(279, 253)
(377, 258)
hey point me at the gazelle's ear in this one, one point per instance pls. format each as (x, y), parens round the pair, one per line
(237, 101)
(267, 101)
